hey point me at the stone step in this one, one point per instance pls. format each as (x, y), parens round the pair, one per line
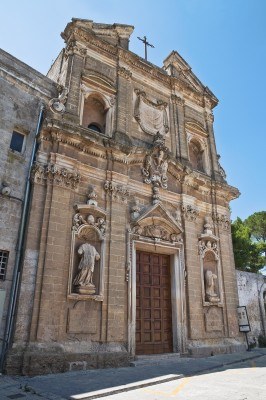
(154, 359)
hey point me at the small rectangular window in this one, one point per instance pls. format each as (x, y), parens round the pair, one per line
(17, 141)
(3, 264)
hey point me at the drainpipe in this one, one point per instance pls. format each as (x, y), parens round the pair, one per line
(10, 319)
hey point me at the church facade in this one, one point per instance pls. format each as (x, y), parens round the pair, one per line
(128, 246)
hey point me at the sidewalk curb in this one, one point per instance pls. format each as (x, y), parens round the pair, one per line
(125, 388)
(223, 364)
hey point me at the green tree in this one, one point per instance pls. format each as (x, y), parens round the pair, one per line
(247, 253)
(257, 225)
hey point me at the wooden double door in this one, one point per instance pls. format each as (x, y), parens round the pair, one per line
(153, 304)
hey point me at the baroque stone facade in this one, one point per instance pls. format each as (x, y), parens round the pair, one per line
(129, 220)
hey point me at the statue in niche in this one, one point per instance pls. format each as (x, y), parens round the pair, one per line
(83, 281)
(210, 294)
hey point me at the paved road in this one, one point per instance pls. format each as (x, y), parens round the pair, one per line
(233, 380)
(240, 381)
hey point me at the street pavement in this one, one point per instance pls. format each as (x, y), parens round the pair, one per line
(188, 377)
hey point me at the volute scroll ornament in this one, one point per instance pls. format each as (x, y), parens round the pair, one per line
(57, 105)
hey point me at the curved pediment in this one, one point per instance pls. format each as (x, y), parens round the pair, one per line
(99, 81)
(196, 127)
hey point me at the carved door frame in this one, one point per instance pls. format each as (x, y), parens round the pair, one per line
(176, 254)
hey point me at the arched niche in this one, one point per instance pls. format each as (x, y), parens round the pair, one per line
(198, 149)
(87, 254)
(210, 266)
(97, 110)
(196, 155)
(94, 113)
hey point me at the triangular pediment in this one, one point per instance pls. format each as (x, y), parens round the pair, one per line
(181, 70)
(158, 215)
(176, 66)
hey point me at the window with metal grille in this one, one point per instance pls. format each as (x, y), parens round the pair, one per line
(3, 264)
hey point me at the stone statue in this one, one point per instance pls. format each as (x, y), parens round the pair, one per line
(83, 281)
(210, 278)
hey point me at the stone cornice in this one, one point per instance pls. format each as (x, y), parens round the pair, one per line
(90, 142)
(38, 84)
(149, 69)
(89, 38)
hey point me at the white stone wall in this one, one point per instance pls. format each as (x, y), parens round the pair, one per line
(250, 291)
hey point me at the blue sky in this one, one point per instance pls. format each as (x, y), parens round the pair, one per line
(224, 41)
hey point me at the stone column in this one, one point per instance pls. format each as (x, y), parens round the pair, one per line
(116, 285)
(229, 274)
(182, 137)
(174, 128)
(76, 56)
(196, 327)
(213, 153)
(123, 100)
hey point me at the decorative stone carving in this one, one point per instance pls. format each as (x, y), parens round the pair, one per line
(190, 212)
(57, 105)
(210, 293)
(177, 216)
(156, 232)
(151, 116)
(210, 265)
(116, 191)
(155, 164)
(92, 197)
(221, 170)
(158, 224)
(208, 225)
(125, 73)
(209, 116)
(177, 100)
(222, 220)
(207, 102)
(87, 252)
(155, 195)
(83, 282)
(135, 210)
(205, 245)
(74, 48)
(53, 174)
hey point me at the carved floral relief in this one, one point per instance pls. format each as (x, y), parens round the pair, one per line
(54, 174)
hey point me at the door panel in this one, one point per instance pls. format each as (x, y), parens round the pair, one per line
(154, 311)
